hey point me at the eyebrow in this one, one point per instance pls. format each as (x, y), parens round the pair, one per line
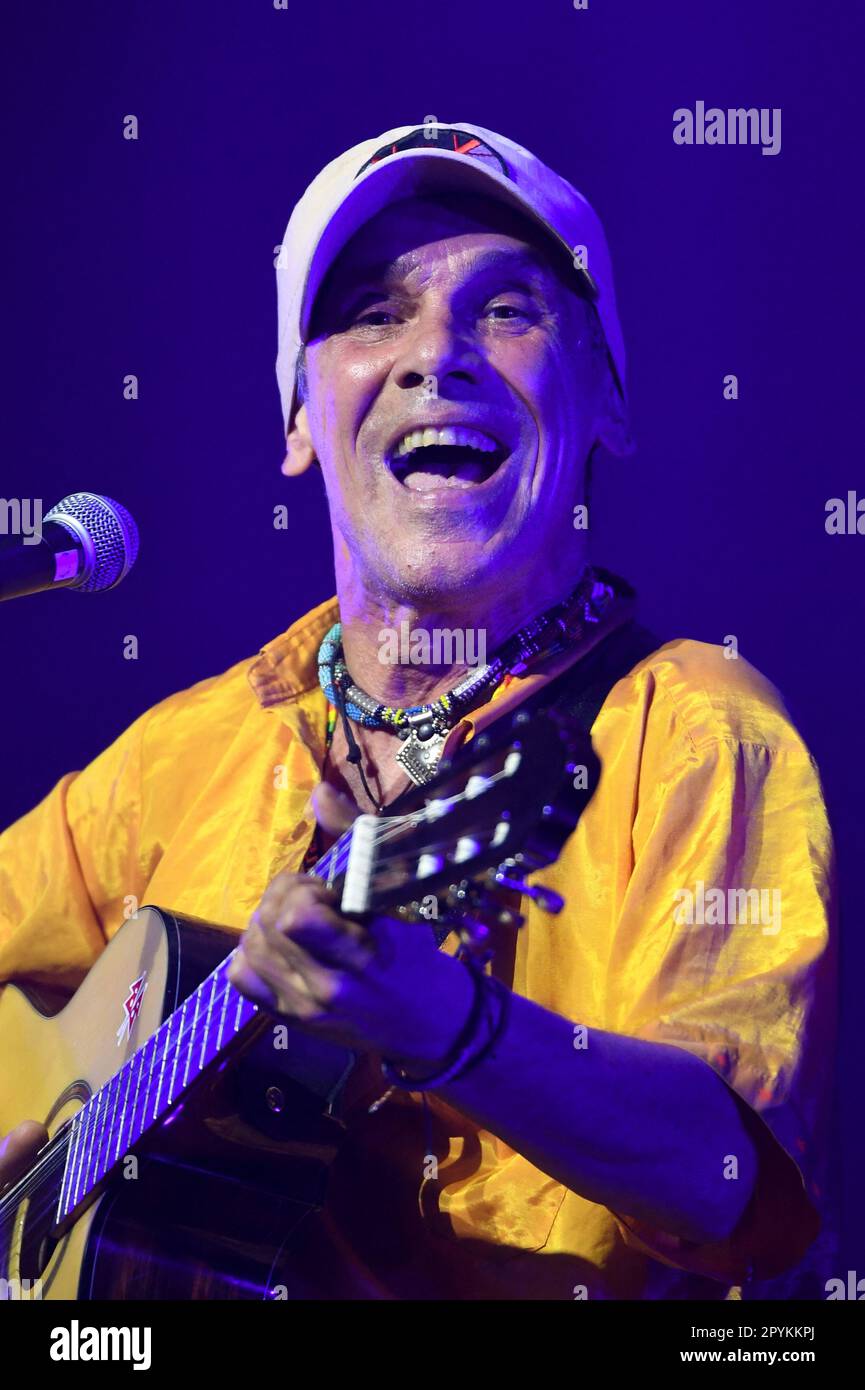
(496, 258)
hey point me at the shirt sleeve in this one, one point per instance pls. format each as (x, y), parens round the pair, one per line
(69, 868)
(724, 939)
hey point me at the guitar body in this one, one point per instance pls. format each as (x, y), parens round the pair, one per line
(205, 1208)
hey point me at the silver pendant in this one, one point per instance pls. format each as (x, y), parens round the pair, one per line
(419, 756)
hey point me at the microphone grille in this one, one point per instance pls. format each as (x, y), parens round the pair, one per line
(106, 530)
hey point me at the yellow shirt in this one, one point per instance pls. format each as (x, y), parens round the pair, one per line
(205, 797)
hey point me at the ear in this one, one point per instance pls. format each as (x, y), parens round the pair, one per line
(299, 448)
(614, 429)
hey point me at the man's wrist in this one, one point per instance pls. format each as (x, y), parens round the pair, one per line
(478, 1038)
(455, 1002)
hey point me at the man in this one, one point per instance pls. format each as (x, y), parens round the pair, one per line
(638, 1117)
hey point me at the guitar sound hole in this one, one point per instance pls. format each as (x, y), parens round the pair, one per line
(37, 1243)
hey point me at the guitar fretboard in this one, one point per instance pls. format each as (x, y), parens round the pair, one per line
(150, 1083)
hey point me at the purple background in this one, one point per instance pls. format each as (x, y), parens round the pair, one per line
(156, 257)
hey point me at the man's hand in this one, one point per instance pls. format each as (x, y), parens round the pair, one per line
(19, 1148)
(382, 987)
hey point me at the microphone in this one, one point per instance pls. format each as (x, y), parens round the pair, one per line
(86, 542)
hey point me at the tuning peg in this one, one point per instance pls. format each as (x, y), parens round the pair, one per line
(546, 899)
(474, 935)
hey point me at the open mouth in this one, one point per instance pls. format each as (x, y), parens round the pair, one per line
(453, 456)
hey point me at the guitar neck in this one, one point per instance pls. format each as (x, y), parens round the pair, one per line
(155, 1078)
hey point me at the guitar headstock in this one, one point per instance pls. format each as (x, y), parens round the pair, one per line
(500, 809)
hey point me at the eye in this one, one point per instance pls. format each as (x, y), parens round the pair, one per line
(373, 318)
(371, 309)
(503, 312)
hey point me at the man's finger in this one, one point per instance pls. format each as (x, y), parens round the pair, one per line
(340, 943)
(300, 890)
(278, 992)
(333, 811)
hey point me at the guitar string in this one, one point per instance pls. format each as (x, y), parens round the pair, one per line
(100, 1102)
(333, 861)
(59, 1147)
(101, 1099)
(11, 1200)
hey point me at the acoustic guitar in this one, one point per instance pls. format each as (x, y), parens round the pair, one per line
(190, 1134)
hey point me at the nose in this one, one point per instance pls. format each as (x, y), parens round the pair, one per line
(438, 348)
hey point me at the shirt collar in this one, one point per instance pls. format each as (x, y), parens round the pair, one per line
(287, 667)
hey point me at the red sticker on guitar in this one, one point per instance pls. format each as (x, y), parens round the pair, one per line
(131, 1007)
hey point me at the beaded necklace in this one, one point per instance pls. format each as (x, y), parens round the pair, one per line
(333, 713)
(423, 729)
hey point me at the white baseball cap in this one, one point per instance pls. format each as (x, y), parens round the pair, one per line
(411, 160)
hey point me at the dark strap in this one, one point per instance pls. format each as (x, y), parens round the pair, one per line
(582, 688)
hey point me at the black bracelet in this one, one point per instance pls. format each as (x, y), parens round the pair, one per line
(498, 992)
(461, 1058)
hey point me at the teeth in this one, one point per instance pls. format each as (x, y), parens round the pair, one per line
(452, 434)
